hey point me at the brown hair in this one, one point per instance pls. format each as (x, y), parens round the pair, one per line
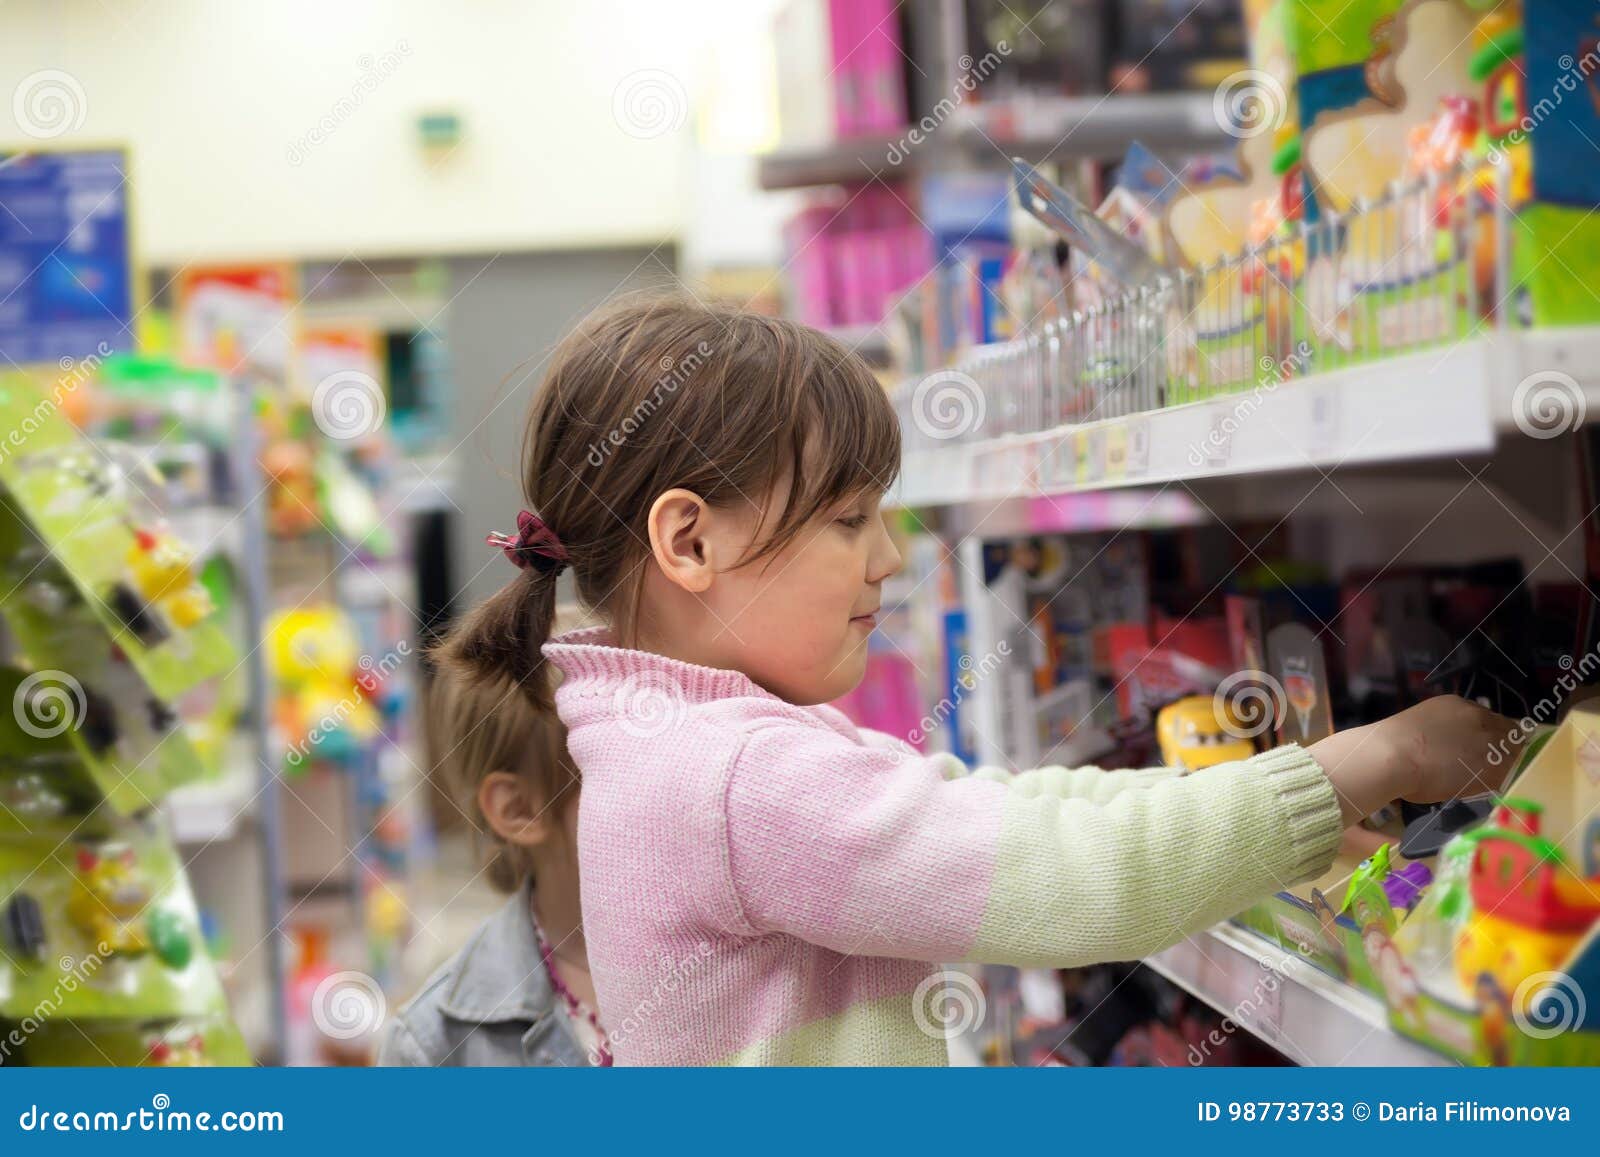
(475, 725)
(656, 393)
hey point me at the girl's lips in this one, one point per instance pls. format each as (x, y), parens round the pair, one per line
(866, 620)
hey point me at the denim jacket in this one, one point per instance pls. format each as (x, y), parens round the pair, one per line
(491, 1004)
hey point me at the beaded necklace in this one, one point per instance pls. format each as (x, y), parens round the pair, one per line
(581, 1013)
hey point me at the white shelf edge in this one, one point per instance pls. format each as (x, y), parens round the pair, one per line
(1432, 403)
(1290, 1004)
(214, 810)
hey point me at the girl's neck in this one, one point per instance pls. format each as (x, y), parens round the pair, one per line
(557, 913)
(557, 908)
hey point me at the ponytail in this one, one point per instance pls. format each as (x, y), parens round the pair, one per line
(499, 640)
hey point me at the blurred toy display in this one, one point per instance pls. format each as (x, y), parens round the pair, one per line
(1118, 1015)
(101, 934)
(1387, 195)
(857, 46)
(849, 253)
(323, 705)
(1160, 45)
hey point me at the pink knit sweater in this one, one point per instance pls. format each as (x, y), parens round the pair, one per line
(764, 883)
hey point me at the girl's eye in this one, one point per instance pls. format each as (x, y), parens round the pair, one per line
(853, 521)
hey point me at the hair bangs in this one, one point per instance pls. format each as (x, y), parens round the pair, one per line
(843, 437)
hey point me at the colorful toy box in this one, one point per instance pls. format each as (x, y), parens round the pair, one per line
(1497, 960)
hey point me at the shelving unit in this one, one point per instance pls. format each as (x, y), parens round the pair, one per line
(1054, 130)
(1094, 128)
(1304, 1013)
(836, 163)
(1456, 400)
(1221, 392)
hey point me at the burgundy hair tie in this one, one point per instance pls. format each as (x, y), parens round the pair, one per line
(535, 544)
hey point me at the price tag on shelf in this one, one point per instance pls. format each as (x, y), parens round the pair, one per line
(1056, 471)
(1323, 442)
(1095, 450)
(1028, 467)
(1217, 449)
(982, 471)
(1261, 1009)
(1020, 473)
(1117, 451)
(1138, 453)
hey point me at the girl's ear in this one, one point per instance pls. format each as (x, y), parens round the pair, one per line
(514, 810)
(679, 527)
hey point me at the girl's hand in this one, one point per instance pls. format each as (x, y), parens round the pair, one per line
(1437, 750)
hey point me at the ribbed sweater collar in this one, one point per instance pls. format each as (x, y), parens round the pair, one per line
(596, 671)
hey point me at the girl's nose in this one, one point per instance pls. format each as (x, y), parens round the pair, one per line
(885, 559)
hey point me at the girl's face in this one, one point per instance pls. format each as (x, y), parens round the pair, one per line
(796, 622)
(799, 619)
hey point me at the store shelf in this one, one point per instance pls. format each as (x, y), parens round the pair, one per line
(1039, 129)
(1044, 129)
(834, 163)
(204, 813)
(1428, 404)
(1304, 1013)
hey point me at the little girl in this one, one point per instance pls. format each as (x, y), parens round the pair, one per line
(519, 992)
(763, 882)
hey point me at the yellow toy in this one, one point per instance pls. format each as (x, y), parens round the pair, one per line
(293, 507)
(1529, 910)
(162, 569)
(1194, 738)
(108, 899)
(1534, 897)
(322, 706)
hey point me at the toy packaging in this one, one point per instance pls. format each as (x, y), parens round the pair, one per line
(131, 574)
(1491, 956)
(113, 906)
(1396, 188)
(102, 957)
